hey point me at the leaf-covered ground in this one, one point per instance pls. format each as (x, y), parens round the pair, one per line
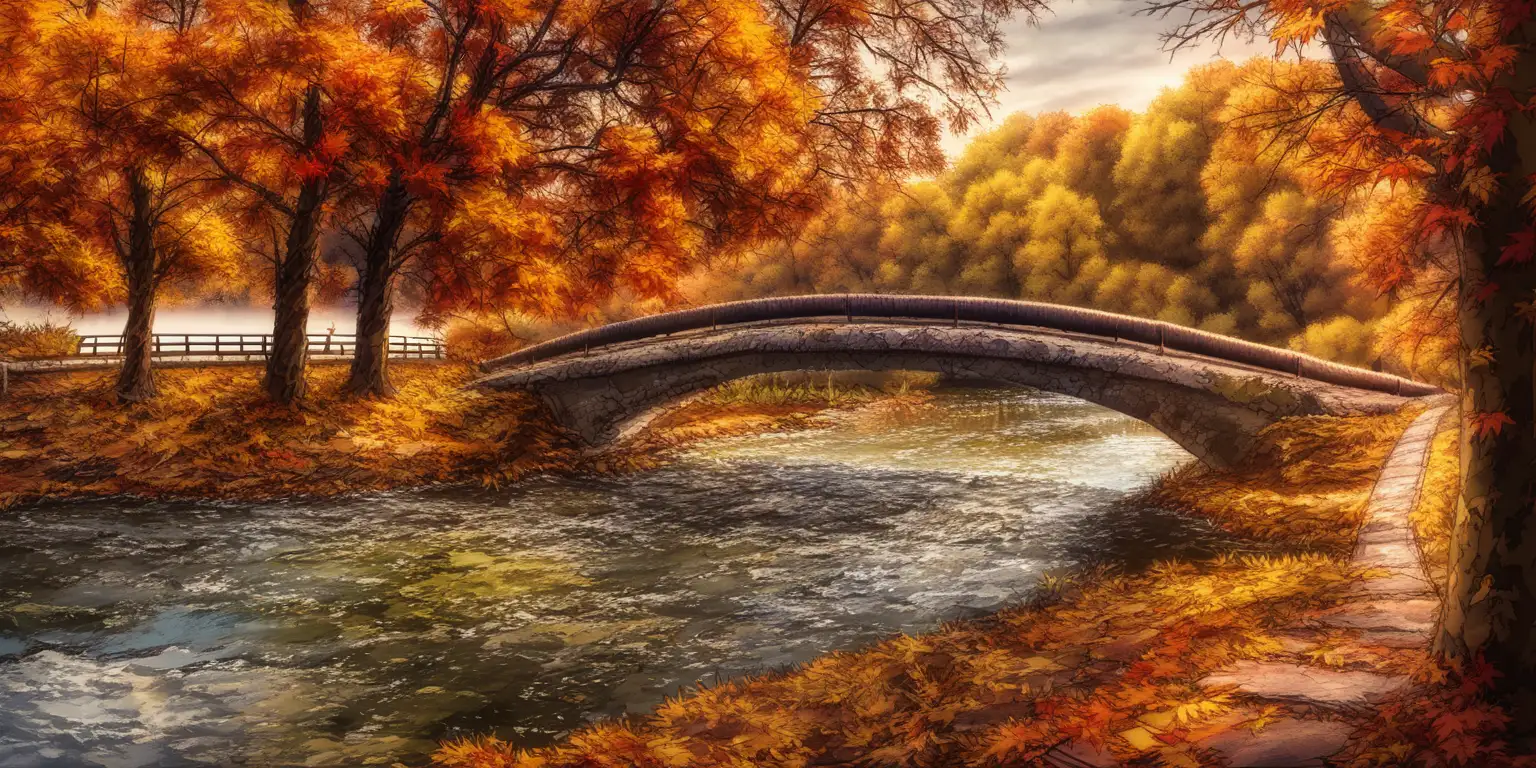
(211, 434)
(1306, 484)
(1103, 668)
(1433, 516)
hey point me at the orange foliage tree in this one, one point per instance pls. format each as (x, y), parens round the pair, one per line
(100, 173)
(71, 271)
(1438, 93)
(277, 84)
(553, 152)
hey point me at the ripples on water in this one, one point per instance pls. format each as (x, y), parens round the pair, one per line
(363, 630)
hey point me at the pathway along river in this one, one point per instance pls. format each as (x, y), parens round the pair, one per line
(360, 631)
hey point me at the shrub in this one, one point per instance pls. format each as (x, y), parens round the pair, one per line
(474, 342)
(45, 339)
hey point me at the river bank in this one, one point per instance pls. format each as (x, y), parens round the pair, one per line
(211, 435)
(1112, 667)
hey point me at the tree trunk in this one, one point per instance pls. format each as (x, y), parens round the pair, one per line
(376, 295)
(1490, 611)
(136, 380)
(289, 355)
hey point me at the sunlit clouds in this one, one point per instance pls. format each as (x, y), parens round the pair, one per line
(1091, 52)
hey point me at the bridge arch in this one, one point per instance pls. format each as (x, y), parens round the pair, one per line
(1211, 394)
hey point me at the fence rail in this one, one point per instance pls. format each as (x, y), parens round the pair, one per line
(953, 309)
(220, 344)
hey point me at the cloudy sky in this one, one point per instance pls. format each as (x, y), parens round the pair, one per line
(1090, 52)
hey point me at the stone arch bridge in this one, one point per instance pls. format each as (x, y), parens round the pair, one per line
(1210, 393)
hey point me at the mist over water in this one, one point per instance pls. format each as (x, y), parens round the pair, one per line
(362, 630)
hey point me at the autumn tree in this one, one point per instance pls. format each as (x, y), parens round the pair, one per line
(1438, 93)
(559, 152)
(278, 82)
(1158, 202)
(113, 178)
(42, 257)
(1073, 209)
(1065, 255)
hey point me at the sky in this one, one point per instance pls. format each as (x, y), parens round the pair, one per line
(1089, 52)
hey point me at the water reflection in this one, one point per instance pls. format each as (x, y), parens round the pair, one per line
(361, 631)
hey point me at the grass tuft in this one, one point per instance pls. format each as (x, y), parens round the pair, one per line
(1435, 514)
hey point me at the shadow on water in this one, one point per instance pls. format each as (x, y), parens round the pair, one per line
(367, 628)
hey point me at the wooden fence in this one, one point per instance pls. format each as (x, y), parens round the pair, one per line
(221, 344)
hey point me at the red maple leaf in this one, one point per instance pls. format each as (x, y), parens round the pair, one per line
(1521, 247)
(1485, 291)
(1485, 424)
(1482, 674)
(332, 146)
(1439, 218)
(1488, 123)
(311, 168)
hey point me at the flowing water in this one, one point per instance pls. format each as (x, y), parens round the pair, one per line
(362, 630)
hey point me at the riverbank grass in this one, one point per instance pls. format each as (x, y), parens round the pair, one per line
(1100, 668)
(768, 403)
(211, 434)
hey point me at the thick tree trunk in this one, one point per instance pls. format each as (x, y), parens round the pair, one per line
(136, 380)
(1490, 611)
(289, 355)
(370, 365)
(376, 295)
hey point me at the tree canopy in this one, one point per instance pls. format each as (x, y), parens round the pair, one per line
(489, 153)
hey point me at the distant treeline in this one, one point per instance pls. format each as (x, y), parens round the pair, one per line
(1178, 213)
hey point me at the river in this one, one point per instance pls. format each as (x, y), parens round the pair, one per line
(361, 630)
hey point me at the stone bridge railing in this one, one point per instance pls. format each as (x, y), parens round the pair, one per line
(956, 310)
